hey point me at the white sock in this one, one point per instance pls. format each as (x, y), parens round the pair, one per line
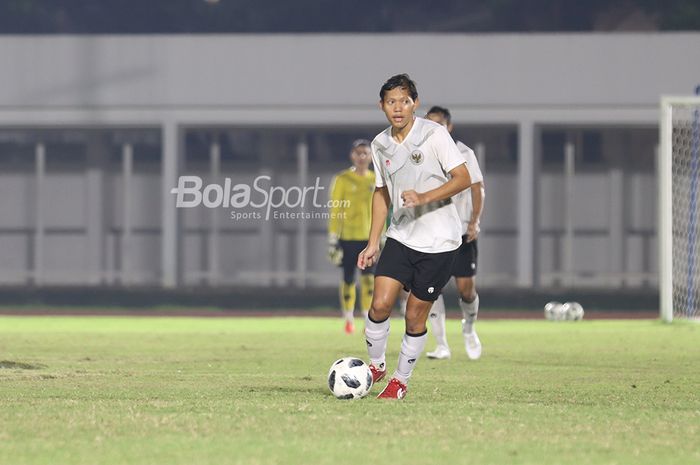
(349, 316)
(469, 313)
(377, 335)
(411, 348)
(437, 321)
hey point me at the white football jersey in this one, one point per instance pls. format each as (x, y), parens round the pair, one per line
(463, 200)
(421, 163)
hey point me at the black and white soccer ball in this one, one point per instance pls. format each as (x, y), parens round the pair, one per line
(553, 311)
(349, 378)
(573, 311)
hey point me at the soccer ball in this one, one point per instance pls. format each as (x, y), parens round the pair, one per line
(573, 311)
(552, 310)
(349, 378)
(563, 313)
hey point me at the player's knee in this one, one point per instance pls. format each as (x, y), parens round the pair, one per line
(467, 291)
(381, 308)
(416, 319)
(415, 325)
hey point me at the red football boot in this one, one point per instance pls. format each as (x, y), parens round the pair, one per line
(377, 375)
(395, 389)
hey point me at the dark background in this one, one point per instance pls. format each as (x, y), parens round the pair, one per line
(352, 16)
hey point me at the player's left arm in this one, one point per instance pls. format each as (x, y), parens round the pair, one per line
(478, 194)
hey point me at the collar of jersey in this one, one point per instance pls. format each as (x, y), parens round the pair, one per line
(419, 132)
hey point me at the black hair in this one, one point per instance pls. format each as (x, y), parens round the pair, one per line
(400, 80)
(441, 111)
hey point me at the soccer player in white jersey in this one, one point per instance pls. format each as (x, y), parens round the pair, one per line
(469, 206)
(412, 159)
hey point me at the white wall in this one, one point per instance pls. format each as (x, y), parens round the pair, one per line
(343, 73)
(307, 81)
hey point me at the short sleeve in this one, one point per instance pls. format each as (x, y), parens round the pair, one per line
(378, 169)
(446, 150)
(473, 166)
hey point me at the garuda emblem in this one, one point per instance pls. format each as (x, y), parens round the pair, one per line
(416, 157)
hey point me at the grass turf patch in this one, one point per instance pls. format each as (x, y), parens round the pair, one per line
(115, 390)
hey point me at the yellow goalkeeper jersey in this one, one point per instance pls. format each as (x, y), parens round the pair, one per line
(351, 207)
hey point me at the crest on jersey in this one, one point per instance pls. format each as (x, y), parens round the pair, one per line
(416, 157)
(388, 162)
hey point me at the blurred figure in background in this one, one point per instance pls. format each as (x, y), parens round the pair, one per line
(348, 229)
(469, 207)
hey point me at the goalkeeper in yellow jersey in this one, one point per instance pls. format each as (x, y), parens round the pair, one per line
(348, 228)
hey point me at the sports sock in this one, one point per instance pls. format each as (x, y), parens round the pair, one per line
(366, 291)
(347, 300)
(470, 310)
(437, 321)
(377, 335)
(411, 348)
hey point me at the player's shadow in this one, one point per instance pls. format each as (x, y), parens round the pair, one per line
(9, 364)
(315, 390)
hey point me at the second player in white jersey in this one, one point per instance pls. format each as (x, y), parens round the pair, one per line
(469, 205)
(463, 200)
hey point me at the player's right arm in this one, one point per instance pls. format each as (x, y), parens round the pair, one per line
(335, 223)
(477, 192)
(380, 209)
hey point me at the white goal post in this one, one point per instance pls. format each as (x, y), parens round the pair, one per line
(678, 213)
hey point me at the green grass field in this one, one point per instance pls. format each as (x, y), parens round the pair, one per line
(120, 390)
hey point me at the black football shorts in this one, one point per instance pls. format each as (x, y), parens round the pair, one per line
(423, 274)
(465, 262)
